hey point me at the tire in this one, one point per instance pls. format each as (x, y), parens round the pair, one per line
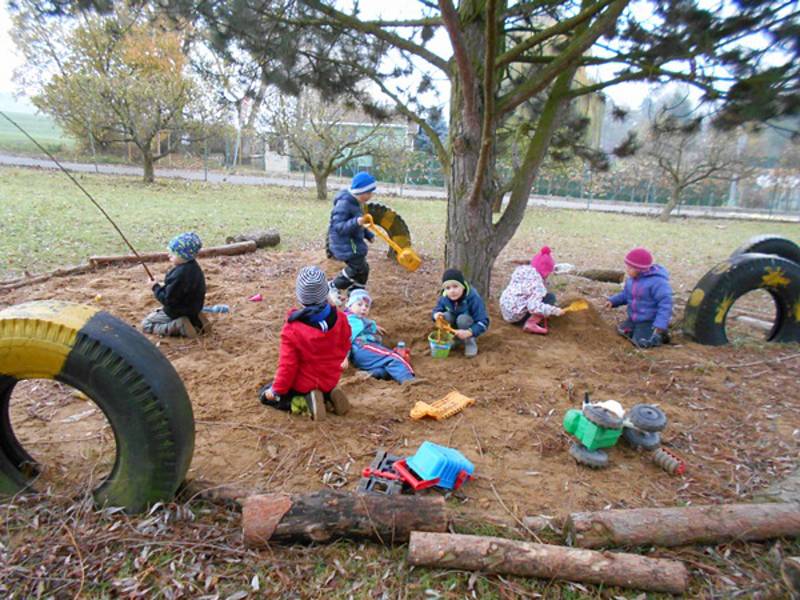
(646, 440)
(392, 223)
(596, 459)
(708, 305)
(601, 417)
(646, 417)
(136, 387)
(770, 244)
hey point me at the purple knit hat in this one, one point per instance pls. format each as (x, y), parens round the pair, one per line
(639, 258)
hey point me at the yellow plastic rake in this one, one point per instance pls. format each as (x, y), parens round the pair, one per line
(575, 306)
(407, 258)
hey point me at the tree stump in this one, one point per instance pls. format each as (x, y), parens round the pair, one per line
(682, 526)
(328, 515)
(262, 237)
(498, 555)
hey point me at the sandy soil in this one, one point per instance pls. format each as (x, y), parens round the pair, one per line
(733, 411)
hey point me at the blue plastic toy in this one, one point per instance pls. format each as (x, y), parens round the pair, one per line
(447, 465)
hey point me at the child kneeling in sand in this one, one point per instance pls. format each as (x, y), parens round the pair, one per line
(367, 352)
(315, 341)
(526, 300)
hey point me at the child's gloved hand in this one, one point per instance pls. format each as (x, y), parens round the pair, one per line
(463, 334)
(437, 315)
(380, 329)
(608, 304)
(558, 312)
(345, 363)
(268, 394)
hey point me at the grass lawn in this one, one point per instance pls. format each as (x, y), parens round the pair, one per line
(42, 128)
(46, 222)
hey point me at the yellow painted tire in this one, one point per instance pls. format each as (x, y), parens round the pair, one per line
(713, 296)
(135, 386)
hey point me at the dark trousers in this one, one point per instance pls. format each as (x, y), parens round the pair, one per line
(354, 274)
(641, 334)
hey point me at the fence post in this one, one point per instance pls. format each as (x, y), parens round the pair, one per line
(205, 159)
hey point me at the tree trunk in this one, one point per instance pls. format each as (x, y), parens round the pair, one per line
(674, 200)
(148, 163)
(328, 515)
(321, 181)
(682, 526)
(498, 555)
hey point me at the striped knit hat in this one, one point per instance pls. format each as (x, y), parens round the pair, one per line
(362, 183)
(311, 287)
(185, 245)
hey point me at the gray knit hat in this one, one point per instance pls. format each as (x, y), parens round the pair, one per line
(311, 287)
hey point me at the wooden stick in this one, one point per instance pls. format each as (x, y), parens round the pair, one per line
(23, 281)
(226, 250)
(682, 526)
(528, 559)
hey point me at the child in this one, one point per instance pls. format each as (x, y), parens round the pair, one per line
(648, 294)
(315, 341)
(347, 232)
(463, 308)
(367, 352)
(182, 294)
(526, 300)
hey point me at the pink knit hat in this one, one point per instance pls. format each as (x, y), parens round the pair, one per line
(639, 258)
(543, 262)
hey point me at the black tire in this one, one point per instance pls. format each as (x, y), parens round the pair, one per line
(392, 223)
(597, 459)
(646, 417)
(770, 244)
(708, 305)
(136, 387)
(602, 417)
(646, 440)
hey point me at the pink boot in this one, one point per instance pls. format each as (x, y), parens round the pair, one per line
(535, 324)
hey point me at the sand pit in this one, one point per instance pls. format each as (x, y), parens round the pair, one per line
(733, 410)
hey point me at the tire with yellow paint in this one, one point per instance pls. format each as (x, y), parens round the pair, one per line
(135, 386)
(710, 301)
(770, 244)
(392, 223)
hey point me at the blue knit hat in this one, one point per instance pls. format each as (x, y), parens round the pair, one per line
(185, 245)
(362, 183)
(358, 294)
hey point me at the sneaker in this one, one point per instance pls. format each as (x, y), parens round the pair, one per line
(470, 347)
(339, 403)
(336, 296)
(185, 328)
(315, 400)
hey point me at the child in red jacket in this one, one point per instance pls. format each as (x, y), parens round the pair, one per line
(315, 341)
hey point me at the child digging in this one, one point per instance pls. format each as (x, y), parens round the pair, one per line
(367, 352)
(182, 294)
(463, 308)
(526, 300)
(648, 295)
(346, 234)
(315, 341)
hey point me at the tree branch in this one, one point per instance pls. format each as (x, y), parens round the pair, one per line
(463, 61)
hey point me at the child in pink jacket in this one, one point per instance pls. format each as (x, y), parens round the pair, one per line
(526, 301)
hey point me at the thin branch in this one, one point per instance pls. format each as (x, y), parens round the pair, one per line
(463, 62)
(422, 22)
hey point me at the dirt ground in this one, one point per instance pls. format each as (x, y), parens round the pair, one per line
(733, 411)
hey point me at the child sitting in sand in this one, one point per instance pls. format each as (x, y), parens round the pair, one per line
(315, 341)
(648, 295)
(182, 294)
(463, 308)
(367, 352)
(526, 301)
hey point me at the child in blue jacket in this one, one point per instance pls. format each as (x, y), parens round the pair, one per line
(463, 308)
(346, 234)
(648, 295)
(367, 352)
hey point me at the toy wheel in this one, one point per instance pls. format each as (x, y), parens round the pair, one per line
(135, 386)
(646, 440)
(597, 459)
(646, 417)
(602, 417)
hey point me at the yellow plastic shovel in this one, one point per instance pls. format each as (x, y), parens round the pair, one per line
(575, 306)
(407, 258)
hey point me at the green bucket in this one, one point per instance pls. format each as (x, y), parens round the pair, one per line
(440, 344)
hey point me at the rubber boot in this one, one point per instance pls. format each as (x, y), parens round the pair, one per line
(535, 324)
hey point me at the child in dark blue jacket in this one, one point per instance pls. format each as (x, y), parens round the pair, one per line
(648, 295)
(346, 234)
(463, 308)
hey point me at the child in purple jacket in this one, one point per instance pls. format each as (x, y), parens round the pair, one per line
(648, 295)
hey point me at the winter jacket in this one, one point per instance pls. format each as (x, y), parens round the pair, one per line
(470, 303)
(363, 329)
(648, 296)
(311, 358)
(345, 235)
(183, 292)
(524, 295)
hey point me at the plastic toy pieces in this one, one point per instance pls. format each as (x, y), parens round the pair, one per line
(669, 461)
(442, 324)
(381, 477)
(576, 306)
(446, 407)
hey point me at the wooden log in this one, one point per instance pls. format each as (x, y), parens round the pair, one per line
(227, 250)
(328, 515)
(498, 555)
(63, 272)
(608, 275)
(682, 526)
(262, 237)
